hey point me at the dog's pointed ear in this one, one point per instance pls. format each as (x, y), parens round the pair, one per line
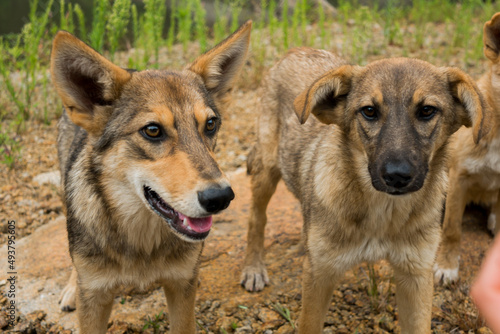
(324, 95)
(219, 66)
(87, 82)
(472, 109)
(491, 38)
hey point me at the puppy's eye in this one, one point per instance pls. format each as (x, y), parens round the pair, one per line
(426, 112)
(370, 113)
(211, 125)
(152, 132)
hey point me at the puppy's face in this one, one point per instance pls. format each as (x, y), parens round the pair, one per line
(153, 133)
(398, 113)
(402, 111)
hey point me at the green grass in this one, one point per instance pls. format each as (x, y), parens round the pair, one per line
(435, 30)
(284, 312)
(155, 322)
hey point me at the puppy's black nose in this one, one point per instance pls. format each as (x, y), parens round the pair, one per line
(215, 199)
(397, 174)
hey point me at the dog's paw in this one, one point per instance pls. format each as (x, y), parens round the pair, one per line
(68, 298)
(254, 278)
(445, 276)
(492, 222)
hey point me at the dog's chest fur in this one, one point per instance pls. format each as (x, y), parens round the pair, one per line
(488, 164)
(483, 163)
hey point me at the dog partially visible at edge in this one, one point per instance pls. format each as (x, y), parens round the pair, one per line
(140, 182)
(368, 167)
(474, 169)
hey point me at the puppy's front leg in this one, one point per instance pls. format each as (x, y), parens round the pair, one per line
(317, 289)
(93, 308)
(181, 295)
(447, 263)
(414, 299)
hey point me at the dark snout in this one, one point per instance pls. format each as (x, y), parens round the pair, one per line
(398, 176)
(215, 199)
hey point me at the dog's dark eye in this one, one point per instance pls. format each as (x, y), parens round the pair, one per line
(211, 125)
(152, 132)
(370, 113)
(426, 112)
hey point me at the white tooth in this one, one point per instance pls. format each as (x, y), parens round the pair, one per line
(189, 228)
(185, 223)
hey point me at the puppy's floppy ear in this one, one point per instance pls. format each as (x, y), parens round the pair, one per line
(324, 95)
(87, 82)
(491, 38)
(219, 66)
(472, 109)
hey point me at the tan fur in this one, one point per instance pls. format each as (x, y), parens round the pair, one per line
(124, 189)
(474, 169)
(336, 163)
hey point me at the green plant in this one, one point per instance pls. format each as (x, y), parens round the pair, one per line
(10, 147)
(284, 312)
(152, 29)
(220, 25)
(117, 24)
(66, 17)
(200, 25)
(81, 21)
(321, 25)
(236, 8)
(185, 22)
(154, 322)
(171, 27)
(284, 24)
(99, 19)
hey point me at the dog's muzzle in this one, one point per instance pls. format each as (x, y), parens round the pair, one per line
(214, 200)
(397, 177)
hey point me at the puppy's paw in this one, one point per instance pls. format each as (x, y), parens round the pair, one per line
(68, 298)
(254, 278)
(445, 276)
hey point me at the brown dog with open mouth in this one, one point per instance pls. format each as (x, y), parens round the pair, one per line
(138, 172)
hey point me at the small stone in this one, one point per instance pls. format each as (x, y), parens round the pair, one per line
(118, 327)
(53, 177)
(3, 322)
(244, 329)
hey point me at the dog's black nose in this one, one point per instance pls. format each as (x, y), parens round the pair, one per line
(215, 199)
(397, 174)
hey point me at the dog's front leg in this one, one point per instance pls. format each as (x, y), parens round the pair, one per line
(264, 181)
(181, 295)
(317, 289)
(447, 263)
(93, 308)
(414, 299)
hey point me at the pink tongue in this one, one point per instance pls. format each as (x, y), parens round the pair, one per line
(199, 225)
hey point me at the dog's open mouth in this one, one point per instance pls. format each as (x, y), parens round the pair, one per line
(193, 228)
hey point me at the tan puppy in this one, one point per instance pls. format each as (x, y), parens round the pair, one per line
(139, 177)
(368, 167)
(474, 169)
